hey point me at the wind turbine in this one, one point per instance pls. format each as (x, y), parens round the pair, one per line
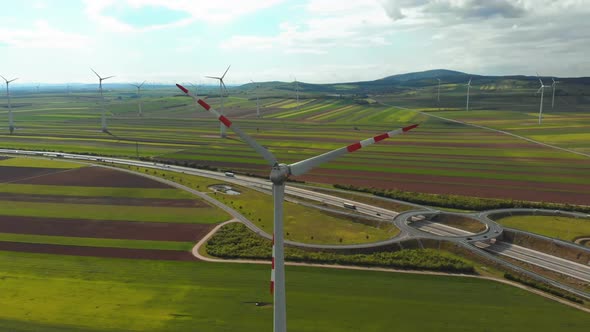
(542, 89)
(438, 95)
(138, 86)
(553, 85)
(103, 119)
(257, 100)
(196, 89)
(221, 88)
(278, 176)
(297, 92)
(468, 88)
(10, 119)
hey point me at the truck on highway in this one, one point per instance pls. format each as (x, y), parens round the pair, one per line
(349, 206)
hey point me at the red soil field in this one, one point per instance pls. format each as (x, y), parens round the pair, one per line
(98, 251)
(490, 188)
(94, 176)
(132, 230)
(12, 174)
(103, 200)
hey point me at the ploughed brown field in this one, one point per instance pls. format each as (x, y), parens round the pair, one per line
(95, 177)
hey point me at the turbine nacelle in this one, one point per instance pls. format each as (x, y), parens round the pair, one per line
(279, 173)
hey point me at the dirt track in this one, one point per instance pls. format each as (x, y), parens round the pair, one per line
(98, 251)
(96, 177)
(104, 229)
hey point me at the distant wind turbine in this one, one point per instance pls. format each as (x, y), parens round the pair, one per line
(297, 92)
(438, 95)
(10, 119)
(256, 86)
(138, 86)
(103, 119)
(542, 90)
(553, 85)
(468, 88)
(221, 89)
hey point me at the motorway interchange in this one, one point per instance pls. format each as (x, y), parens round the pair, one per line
(413, 225)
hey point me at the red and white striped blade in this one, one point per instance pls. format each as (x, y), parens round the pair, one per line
(267, 155)
(303, 166)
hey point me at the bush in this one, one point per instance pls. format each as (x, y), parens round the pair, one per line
(236, 241)
(463, 202)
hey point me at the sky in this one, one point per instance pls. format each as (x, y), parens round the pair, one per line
(315, 41)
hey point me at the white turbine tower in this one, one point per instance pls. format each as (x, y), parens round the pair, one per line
(468, 88)
(138, 86)
(256, 86)
(10, 119)
(553, 85)
(542, 89)
(438, 94)
(297, 92)
(103, 119)
(221, 88)
(278, 176)
(196, 89)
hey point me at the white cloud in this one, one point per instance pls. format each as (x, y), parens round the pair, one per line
(42, 36)
(211, 12)
(328, 24)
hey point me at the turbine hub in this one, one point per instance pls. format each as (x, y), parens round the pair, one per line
(279, 174)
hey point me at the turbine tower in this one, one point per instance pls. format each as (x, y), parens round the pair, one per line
(542, 89)
(10, 119)
(222, 87)
(138, 86)
(553, 85)
(297, 92)
(468, 88)
(256, 86)
(438, 94)
(278, 176)
(103, 119)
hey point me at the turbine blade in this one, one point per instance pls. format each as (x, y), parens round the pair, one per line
(142, 84)
(96, 73)
(303, 166)
(12, 80)
(4, 78)
(106, 78)
(213, 77)
(540, 89)
(222, 76)
(267, 155)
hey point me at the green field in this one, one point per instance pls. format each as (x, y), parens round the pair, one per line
(565, 228)
(62, 293)
(113, 212)
(39, 162)
(438, 157)
(96, 242)
(301, 223)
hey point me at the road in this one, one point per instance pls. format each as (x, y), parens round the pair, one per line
(549, 262)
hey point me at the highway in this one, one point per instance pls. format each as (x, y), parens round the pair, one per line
(549, 262)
